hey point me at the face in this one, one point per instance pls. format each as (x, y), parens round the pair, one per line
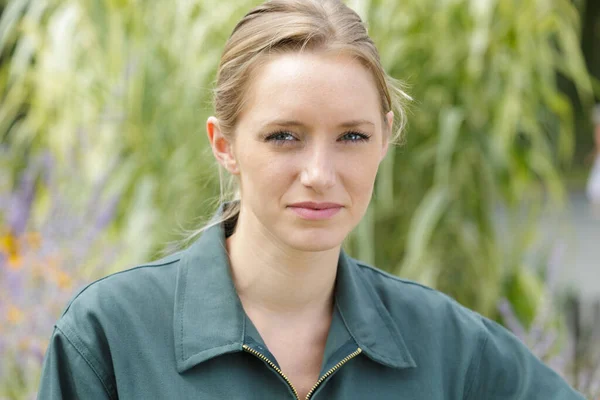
(306, 149)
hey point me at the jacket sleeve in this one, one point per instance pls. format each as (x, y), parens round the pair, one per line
(505, 369)
(69, 373)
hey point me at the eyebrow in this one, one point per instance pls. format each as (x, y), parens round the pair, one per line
(291, 122)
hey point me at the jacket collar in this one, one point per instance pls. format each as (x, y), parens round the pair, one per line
(209, 319)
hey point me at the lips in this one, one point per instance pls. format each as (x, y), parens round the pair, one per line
(316, 206)
(315, 211)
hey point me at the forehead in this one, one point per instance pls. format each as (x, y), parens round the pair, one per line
(316, 88)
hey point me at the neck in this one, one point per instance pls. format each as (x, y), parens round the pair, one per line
(270, 276)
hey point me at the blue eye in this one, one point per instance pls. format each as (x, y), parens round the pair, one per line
(280, 137)
(355, 137)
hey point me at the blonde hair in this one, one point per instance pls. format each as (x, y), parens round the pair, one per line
(280, 26)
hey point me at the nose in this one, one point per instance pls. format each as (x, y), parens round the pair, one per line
(318, 172)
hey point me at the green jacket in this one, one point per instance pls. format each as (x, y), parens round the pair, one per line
(175, 329)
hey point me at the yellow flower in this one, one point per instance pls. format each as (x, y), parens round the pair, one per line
(9, 245)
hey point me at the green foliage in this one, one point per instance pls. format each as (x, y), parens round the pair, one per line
(489, 128)
(128, 85)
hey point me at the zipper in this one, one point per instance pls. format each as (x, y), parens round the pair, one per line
(287, 380)
(272, 365)
(332, 370)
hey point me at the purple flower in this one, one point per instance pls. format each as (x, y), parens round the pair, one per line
(41, 262)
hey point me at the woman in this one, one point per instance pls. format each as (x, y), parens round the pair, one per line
(265, 305)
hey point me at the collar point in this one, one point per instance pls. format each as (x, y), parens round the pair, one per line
(393, 360)
(184, 364)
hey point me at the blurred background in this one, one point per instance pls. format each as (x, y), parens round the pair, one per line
(494, 198)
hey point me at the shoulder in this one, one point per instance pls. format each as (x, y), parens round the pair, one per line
(132, 291)
(437, 327)
(434, 326)
(404, 298)
(111, 317)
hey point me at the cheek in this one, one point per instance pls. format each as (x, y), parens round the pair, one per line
(265, 174)
(358, 174)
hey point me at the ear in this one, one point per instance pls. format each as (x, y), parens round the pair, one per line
(387, 134)
(221, 147)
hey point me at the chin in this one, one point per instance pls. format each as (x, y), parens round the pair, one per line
(311, 241)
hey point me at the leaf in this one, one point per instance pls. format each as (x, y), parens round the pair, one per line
(422, 228)
(449, 125)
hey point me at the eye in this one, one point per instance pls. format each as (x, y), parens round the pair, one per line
(355, 137)
(281, 138)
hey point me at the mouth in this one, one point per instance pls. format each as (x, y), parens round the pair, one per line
(316, 206)
(315, 211)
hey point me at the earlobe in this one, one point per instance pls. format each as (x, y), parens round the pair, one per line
(221, 146)
(389, 118)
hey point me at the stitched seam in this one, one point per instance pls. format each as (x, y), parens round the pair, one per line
(394, 278)
(243, 327)
(183, 302)
(181, 312)
(345, 323)
(473, 370)
(80, 351)
(118, 273)
(411, 283)
(212, 349)
(379, 308)
(385, 358)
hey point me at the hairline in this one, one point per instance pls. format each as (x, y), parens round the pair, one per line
(264, 58)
